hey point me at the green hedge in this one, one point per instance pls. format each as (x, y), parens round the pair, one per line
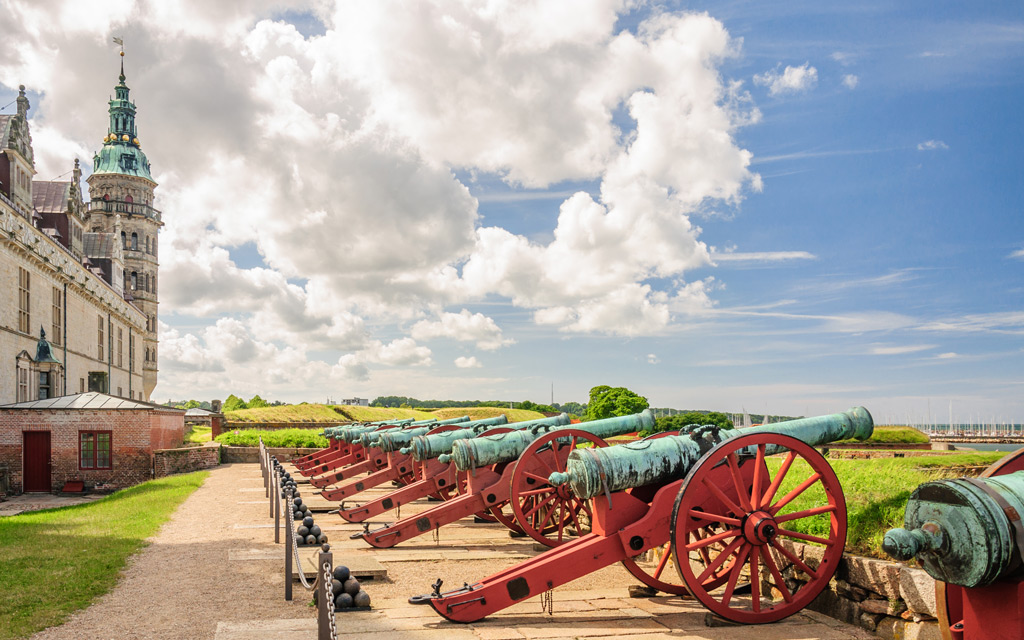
(285, 438)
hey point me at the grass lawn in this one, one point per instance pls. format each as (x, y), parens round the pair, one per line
(59, 560)
(285, 438)
(876, 492)
(198, 433)
(287, 413)
(895, 435)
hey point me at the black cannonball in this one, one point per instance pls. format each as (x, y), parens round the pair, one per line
(322, 538)
(303, 531)
(304, 509)
(297, 502)
(297, 515)
(343, 601)
(351, 586)
(341, 573)
(315, 529)
(308, 521)
(361, 599)
(336, 586)
(296, 494)
(310, 539)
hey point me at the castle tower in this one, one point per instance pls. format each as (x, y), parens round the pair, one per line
(121, 201)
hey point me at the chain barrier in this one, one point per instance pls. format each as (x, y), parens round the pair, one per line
(295, 543)
(547, 602)
(327, 578)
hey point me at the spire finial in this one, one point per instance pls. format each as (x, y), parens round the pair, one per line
(120, 43)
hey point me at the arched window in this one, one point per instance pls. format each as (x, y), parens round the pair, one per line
(128, 199)
(147, 283)
(135, 280)
(124, 240)
(135, 241)
(147, 245)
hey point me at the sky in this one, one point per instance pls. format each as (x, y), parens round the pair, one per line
(789, 208)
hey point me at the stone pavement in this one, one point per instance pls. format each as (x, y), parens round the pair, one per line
(14, 505)
(597, 606)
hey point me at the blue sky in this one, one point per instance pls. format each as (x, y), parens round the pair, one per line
(869, 250)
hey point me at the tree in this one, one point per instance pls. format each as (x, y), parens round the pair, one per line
(234, 403)
(606, 402)
(683, 420)
(257, 402)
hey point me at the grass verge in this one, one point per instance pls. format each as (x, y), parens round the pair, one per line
(895, 435)
(285, 438)
(876, 493)
(197, 434)
(60, 560)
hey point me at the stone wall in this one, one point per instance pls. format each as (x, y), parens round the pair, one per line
(890, 599)
(252, 454)
(170, 461)
(270, 426)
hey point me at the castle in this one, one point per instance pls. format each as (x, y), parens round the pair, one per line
(78, 280)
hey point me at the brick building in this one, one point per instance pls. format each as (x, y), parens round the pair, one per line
(80, 275)
(93, 438)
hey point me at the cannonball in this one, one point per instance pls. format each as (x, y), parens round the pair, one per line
(322, 538)
(343, 601)
(336, 586)
(296, 495)
(361, 599)
(304, 509)
(297, 502)
(315, 529)
(303, 531)
(308, 521)
(341, 573)
(297, 515)
(351, 586)
(310, 539)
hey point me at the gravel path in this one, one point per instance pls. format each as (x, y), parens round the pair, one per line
(184, 583)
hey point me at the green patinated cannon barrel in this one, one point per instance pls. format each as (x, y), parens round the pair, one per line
(351, 433)
(373, 438)
(660, 460)
(505, 447)
(395, 440)
(962, 531)
(432, 446)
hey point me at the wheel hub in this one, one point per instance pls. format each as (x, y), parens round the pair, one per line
(760, 528)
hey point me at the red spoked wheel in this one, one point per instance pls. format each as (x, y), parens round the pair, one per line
(731, 489)
(545, 511)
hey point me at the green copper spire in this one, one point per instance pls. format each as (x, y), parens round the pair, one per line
(121, 152)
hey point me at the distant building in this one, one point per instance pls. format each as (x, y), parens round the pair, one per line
(356, 402)
(78, 281)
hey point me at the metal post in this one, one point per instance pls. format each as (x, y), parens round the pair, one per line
(323, 607)
(274, 478)
(289, 541)
(277, 508)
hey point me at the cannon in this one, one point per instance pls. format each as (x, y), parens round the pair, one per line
(435, 477)
(967, 533)
(492, 461)
(353, 451)
(388, 463)
(338, 446)
(715, 503)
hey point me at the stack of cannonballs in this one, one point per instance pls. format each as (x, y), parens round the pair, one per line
(307, 532)
(348, 593)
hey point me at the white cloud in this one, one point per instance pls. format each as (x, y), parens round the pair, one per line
(932, 145)
(471, 362)
(762, 256)
(949, 355)
(464, 327)
(844, 58)
(850, 81)
(882, 350)
(1019, 254)
(653, 359)
(791, 80)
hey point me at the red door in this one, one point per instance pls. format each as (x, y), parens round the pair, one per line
(37, 460)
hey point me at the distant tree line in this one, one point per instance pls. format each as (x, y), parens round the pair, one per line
(405, 402)
(232, 403)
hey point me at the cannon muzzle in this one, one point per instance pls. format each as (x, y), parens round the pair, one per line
(438, 444)
(396, 440)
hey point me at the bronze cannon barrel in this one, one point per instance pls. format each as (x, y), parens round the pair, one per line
(432, 446)
(659, 460)
(395, 440)
(505, 447)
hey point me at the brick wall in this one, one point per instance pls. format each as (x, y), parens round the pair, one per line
(166, 430)
(171, 461)
(131, 455)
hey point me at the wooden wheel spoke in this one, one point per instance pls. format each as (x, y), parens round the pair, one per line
(795, 560)
(755, 488)
(719, 561)
(561, 519)
(666, 554)
(755, 580)
(534, 476)
(729, 504)
(547, 518)
(703, 542)
(714, 517)
(734, 575)
(537, 492)
(773, 568)
(540, 504)
(573, 513)
(769, 494)
(737, 481)
(792, 495)
(805, 536)
(796, 515)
